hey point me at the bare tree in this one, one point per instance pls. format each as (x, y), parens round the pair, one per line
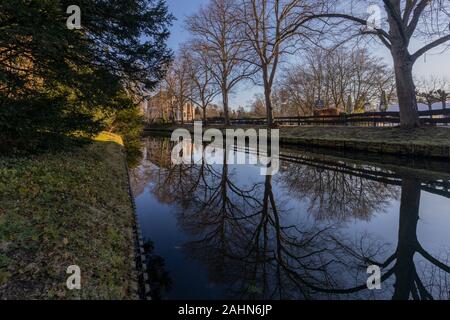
(268, 27)
(426, 92)
(344, 78)
(257, 106)
(423, 20)
(443, 92)
(215, 33)
(169, 85)
(202, 86)
(159, 104)
(178, 87)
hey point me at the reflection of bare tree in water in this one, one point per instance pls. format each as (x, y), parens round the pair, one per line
(262, 258)
(251, 249)
(155, 157)
(159, 279)
(172, 182)
(217, 209)
(336, 195)
(408, 283)
(243, 237)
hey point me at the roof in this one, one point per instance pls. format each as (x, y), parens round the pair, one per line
(421, 106)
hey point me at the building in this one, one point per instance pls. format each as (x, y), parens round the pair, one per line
(187, 112)
(177, 114)
(160, 108)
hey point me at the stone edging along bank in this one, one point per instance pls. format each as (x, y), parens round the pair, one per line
(138, 244)
(392, 148)
(402, 149)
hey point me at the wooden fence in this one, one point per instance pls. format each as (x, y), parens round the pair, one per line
(374, 119)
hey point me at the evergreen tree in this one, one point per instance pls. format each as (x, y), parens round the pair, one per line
(55, 81)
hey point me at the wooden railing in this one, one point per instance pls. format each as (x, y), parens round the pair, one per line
(375, 119)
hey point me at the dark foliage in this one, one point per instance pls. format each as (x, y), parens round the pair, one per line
(160, 280)
(55, 81)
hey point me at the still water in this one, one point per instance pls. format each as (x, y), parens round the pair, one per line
(309, 232)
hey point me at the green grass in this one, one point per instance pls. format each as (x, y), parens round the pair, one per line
(66, 208)
(419, 136)
(422, 142)
(109, 137)
(423, 135)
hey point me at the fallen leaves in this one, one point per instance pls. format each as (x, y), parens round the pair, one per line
(62, 209)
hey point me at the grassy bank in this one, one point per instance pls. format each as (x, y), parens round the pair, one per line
(419, 136)
(61, 209)
(422, 142)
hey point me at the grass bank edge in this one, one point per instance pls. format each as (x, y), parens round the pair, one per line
(421, 142)
(67, 208)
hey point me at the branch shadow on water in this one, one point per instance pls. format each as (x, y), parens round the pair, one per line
(159, 278)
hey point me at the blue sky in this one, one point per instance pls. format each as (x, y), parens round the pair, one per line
(433, 64)
(183, 8)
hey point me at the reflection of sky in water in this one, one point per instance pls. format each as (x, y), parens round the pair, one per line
(159, 223)
(434, 224)
(191, 278)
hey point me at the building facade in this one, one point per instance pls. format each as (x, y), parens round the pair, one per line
(162, 109)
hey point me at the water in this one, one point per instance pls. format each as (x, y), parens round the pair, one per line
(309, 232)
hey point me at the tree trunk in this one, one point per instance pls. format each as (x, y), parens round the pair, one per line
(406, 91)
(269, 108)
(268, 97)
(403, 65)
(225, 106)
(173, 116)
(181, 114)
(204, 116)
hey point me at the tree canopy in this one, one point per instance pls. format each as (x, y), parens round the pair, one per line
(60, 81)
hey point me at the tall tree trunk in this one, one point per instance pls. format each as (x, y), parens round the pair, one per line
(269, 108)
(173, 116)
(268, 97)
(225, 106)
(406, 91)
(204, 115)
(182, 115)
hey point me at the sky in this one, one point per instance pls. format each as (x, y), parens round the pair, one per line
(184, 8)
(435, 63)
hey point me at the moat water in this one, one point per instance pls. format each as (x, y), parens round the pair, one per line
(309, 232)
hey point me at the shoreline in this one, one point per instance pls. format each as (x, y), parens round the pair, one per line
(417, 143)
